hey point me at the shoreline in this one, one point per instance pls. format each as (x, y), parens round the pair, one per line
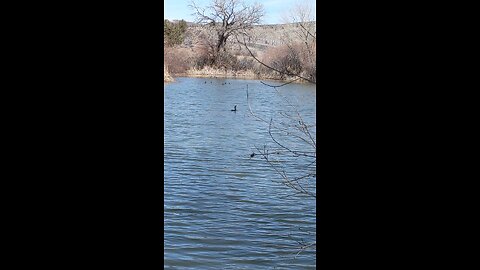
(218, 76)
(166, 75)
(228, 76)
(225, 74)
(184, 75)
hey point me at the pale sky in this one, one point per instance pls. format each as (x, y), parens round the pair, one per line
(274, 9)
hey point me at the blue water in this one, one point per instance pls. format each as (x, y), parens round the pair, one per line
(224, 209)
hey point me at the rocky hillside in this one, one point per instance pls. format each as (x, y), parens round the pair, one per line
(262, 36)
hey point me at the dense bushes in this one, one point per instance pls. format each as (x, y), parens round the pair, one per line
(178, 60)
(287, 59)
(291, 59)
(284, 59)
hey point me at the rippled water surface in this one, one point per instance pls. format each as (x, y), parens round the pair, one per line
(222, 208)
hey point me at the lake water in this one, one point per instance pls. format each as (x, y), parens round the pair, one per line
(224, 209)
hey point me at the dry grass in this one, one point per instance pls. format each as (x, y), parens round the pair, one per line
(166, 75)
(222, 73)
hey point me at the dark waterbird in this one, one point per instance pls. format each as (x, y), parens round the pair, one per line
(234, 109)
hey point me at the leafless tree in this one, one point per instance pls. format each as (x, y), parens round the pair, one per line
(227, 18)
(301, 46)
(303, 16)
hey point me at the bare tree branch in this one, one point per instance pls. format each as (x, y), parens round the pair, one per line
(227, 18)
(300, 182)
(244, 43)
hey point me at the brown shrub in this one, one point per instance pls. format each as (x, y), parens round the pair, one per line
(178, 60)
(291, 59)
(285, 59)
(203, 56)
